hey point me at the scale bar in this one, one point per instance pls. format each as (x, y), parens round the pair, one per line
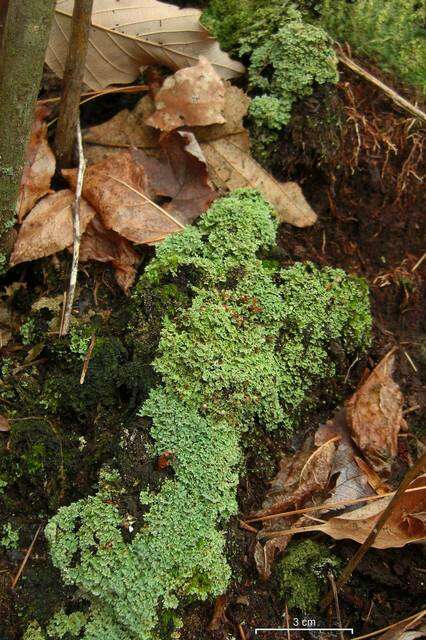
(260, 629)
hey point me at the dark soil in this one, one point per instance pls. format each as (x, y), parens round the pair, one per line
(371, 208)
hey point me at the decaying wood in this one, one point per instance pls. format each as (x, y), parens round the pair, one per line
(66, 128)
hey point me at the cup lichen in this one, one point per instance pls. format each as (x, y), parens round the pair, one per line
(244, 347)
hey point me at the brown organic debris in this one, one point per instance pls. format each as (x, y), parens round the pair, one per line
(375, 416)
(39, 166)
(4, 424)
(193, 96)
(48, 228)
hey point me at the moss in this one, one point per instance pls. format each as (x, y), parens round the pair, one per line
(225, 362)
(303, 572)
(9, 537)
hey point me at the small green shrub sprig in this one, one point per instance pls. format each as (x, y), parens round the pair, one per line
(245, 346)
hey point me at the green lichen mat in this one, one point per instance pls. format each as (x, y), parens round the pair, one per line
(245, 348)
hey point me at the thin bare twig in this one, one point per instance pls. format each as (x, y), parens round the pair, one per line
(413, 619)
(336, 604)
(87, 359)
(391, 93)
(26, 558)
(77, 236)
(411, 475)
(327, 506)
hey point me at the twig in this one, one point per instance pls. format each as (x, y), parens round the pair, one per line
(413, 619)
(336, 604)
(411, 475)
(327, 506)
(26, 558)
(391, 93)
(242, 632)
(77, 236)
(410, 360)
(287, 620)
(418, 263)
(87, 359)
(68, 119)
(91, 95)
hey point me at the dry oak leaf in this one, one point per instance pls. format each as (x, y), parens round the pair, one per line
(234, 111)
(105, 245)
(48, 228)
(124, 187)
(40, 165)
(231, 166)
(193, 96)
(128, 35)
(375, 416)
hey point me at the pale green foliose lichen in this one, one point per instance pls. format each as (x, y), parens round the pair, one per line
(245, 348)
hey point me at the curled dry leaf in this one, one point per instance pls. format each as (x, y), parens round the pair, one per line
(39, 165)
(124, 189)
(191, 97)
(231, 167)
(299, 477)
(405, 525)
(119, 191)
(179, 173)
(48, 228)
(235, 109)
(351, 482)
(375, 416)
(4, 424)
(104, 245)
(141, 32)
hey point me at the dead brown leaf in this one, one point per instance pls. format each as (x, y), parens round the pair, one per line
(375, 416)
(48, 228)
(405, 525)
(126, 128)
(39, 166)
(298, 478)
(179, 173)
(5, 324)
(234, 110)
(118, 189)
(141, 32)
(125, 188)
(231, 167)
(105, 245)
(409, 629)
(4, 424)
(193, 96)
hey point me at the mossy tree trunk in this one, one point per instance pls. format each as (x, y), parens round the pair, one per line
(24, 40)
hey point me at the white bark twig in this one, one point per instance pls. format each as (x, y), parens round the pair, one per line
(77, 236)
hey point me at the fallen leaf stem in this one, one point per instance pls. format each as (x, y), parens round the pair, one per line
(414, 618)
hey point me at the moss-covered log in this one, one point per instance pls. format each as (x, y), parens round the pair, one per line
(24, 41)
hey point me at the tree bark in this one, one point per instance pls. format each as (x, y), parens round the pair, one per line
(66, 129)
(25, 36)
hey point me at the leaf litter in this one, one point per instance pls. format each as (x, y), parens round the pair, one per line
(143, 183)
(340, 481)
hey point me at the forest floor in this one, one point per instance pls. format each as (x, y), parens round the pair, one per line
(372, 223)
